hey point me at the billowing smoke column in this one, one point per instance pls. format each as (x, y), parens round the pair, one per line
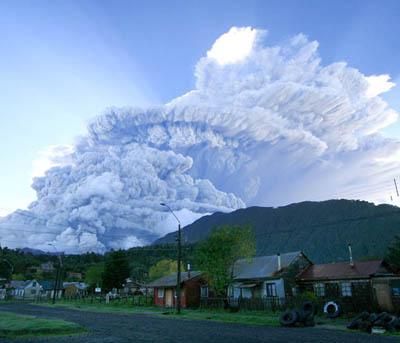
(265, 126)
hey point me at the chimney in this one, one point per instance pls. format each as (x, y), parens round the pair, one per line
(279, 262)
(351, 256)
(188, 269)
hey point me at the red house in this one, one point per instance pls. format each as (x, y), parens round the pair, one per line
(193, 287)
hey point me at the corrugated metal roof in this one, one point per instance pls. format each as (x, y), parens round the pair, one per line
(262, 266)
(343, 270)
(170, 280)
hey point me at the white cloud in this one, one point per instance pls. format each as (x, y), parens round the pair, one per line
(233, 46)
(378, 84)
(269, 126)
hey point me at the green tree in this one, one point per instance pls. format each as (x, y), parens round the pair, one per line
(162, 268)
(216, 255)
(5, 269)
(393, 254)
(93, 275)
(116, 270)
(18, 277)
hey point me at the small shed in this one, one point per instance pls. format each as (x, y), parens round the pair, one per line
(193, 286)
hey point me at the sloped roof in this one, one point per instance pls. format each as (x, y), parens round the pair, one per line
(17, 283)
(343, 270)
(170, 280)
(262, 266)
(20, 284)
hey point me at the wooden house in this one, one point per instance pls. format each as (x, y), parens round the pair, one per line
(193, 286)
(370, 281)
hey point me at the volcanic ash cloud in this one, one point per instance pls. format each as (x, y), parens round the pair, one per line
(265, 125)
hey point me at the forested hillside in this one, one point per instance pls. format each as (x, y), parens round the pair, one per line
(321, 229)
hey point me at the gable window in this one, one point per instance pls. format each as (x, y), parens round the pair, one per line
(346, 289)
(319, 289)
(204, 291)
(160, 292)
(270, 290)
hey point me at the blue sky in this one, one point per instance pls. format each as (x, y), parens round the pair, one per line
(63, 62)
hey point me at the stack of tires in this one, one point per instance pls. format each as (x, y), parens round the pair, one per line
(366, 321)
(303, 316)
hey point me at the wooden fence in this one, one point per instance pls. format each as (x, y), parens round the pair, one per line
(349, 305)
(131, 300)
(254, 304)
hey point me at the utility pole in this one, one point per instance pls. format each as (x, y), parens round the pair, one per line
(55, 286)
(395, 185)
(178, 276)
(179, 262)
(58, 275)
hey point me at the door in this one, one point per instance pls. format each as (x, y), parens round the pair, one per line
(169, 297)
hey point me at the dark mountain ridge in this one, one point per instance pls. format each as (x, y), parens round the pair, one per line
(321, 229)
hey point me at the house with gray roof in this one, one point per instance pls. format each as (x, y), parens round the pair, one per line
(271, 276)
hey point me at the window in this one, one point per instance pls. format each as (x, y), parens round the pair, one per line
(204, 291)
(319, 289)
(270, 290)
(236, 292)
(396, 291)
(346, 289)
(160, 292)
(246, 293)
(33, 291)
(34, 284)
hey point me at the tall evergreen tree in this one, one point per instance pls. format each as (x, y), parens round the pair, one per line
(116, 270)
(393, 254)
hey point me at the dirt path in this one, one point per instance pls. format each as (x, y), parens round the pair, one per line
(105, 327)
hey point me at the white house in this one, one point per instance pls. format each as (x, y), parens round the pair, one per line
(29, 289)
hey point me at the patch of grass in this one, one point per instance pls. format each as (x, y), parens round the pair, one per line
(250, 318)
(105, 308)
(253, 318)
(14, 325)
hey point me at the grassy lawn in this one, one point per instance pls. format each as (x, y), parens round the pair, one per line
(253, 318)
(13, 325)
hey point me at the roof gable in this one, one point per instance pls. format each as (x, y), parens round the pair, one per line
(262, 266)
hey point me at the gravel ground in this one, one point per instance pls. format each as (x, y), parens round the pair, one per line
(105, 327)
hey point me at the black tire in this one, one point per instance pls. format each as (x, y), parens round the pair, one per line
(307, 310)
(354, 324)
(365, 326)
(309, 322)
(332, 309)
(372, 317)
(390, 322)
(289, 318)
